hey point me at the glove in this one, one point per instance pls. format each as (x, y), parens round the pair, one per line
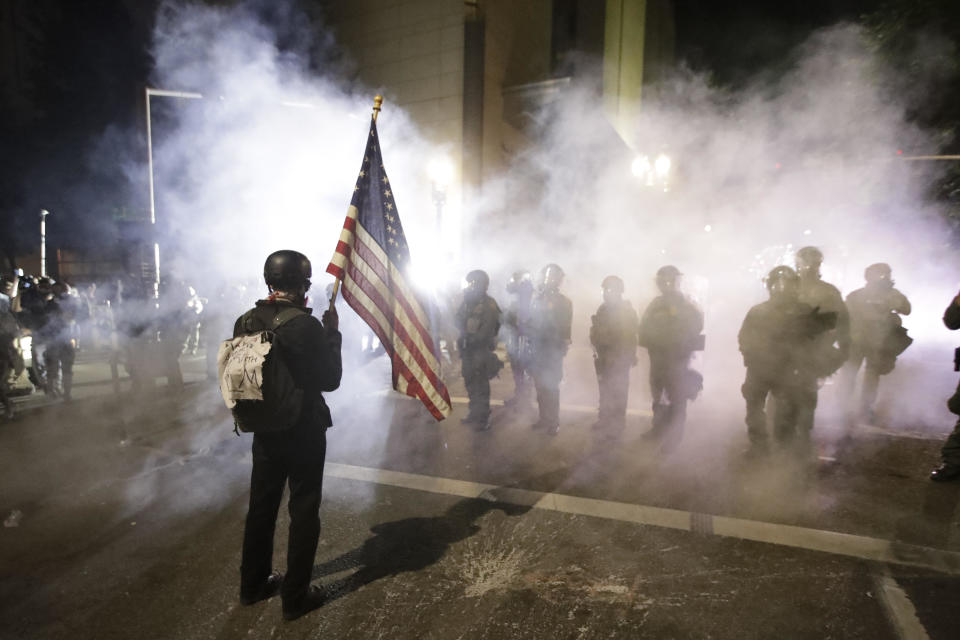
(331, 320)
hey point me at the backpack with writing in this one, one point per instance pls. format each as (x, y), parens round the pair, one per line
(255, 382)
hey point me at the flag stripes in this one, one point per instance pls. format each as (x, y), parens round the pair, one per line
(378, 292)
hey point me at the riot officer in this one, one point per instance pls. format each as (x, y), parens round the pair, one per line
(876, 332)
(776, 340)
(478, 321)
(56, 333)
(949, 468)
(551, 315)
(613, 334)
(9, 357)
(833, 346)
(516, 333)
(670, 331)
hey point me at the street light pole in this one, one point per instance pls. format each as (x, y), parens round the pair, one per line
(43, 242)
(148, 92)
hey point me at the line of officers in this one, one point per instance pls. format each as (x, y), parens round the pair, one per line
(803, 333)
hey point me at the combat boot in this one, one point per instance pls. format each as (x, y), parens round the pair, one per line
(945, 472)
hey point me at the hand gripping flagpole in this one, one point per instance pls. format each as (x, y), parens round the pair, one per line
(377, 102)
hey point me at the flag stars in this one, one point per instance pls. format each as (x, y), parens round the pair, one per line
(385, 181)
(388, 206)
(363, 174)
(387, 193)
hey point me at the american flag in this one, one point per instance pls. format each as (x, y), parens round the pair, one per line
(371, 261)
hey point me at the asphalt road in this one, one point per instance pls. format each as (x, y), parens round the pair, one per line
(123, 519)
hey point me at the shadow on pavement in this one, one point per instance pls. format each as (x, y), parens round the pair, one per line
(412, 544)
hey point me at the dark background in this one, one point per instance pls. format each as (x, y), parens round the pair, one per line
(90, 61)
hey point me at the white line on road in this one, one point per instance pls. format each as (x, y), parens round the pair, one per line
(899, 609)
(845, 544)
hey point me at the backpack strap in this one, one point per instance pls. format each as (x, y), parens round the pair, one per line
(256, 320)
(286, 315)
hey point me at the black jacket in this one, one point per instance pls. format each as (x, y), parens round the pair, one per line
(310, 351)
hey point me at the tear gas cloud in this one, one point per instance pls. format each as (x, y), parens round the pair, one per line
(806, 158)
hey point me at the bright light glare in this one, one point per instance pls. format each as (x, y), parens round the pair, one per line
(640, 166)
(708, 228)
(807, 232)
(662, 166)
(440, 170)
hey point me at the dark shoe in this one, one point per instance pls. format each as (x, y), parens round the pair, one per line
(945, 472)
(553, 429)
(536, 425)
(269, 588)
(314, 599)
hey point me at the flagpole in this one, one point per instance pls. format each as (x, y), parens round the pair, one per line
(377, 102)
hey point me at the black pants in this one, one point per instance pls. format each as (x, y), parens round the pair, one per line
(58, 358)
(795, 404)
(477, 382)
(547, 374)
(951, 448)
(6, 368)
(613, 379)
(295, 458)
(669, 393)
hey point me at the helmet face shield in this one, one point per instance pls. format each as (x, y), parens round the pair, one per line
(475, 284)
(552, 276)
(783, 283)
(879, 274)
(520, 282)
(612, 289)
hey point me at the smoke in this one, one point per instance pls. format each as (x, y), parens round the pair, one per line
(268, 158)
(813, 156)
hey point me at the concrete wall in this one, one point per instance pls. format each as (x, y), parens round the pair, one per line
(411, 50)
(517, 52)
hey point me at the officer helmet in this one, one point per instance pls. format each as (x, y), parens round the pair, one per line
(520, 281)
(613, 284)
(782, 279)
(552, 275)
(287, 269)
(667, 279)
(877, 272)
(668, 271)
(809, 256)
(478, 280)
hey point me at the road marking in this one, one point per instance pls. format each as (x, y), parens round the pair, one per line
(899, 609)
(845, 544)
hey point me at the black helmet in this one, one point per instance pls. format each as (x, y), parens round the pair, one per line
(782, 274)
(877, 272)
(552, 275)
(478, 280)
(287, 269)
(809, 255)
(520, 281)
(612, 283)
(668, 271)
